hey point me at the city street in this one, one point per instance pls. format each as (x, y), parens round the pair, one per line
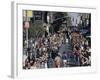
(56, 39)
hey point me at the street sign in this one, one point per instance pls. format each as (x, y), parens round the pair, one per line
(29, 13)
(26, 25)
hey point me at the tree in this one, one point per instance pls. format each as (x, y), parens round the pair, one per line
(36, 30)
(59, 19)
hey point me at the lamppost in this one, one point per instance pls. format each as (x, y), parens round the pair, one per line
(48, 21)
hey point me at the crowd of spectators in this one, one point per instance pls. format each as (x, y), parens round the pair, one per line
(46, 52)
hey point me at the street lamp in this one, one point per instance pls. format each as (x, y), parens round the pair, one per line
(48, 21)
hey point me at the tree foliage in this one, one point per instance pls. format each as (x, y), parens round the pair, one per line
(36, 30)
